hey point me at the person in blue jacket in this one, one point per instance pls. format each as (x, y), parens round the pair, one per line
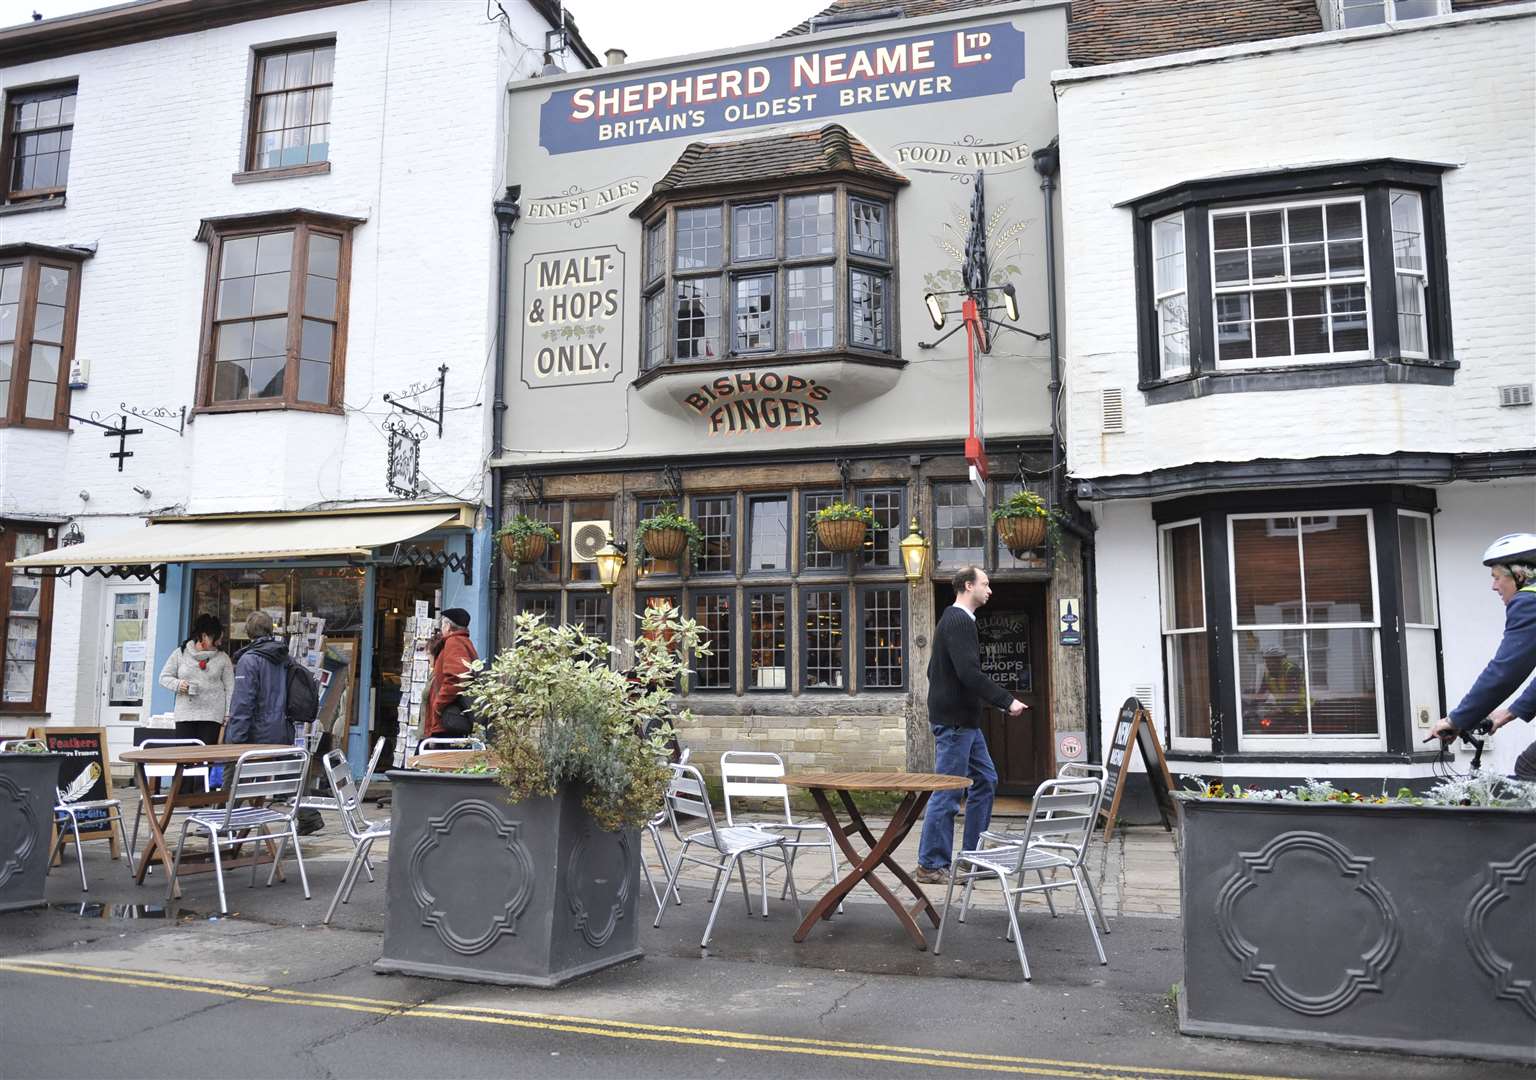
(1512, 560)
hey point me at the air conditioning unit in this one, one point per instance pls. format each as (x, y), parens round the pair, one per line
(587, 538)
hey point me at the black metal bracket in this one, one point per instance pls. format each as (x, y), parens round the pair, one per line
(674, 481)
(120, 432)
(433, 559)
(845, 470)
(157, 414)
(533, 487)
(416, 391)
(155, 573)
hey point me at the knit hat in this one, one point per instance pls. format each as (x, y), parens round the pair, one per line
(456, 615)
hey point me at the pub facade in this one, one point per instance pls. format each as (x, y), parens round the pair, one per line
(719, 292)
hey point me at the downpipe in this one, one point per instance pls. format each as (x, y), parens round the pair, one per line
(507, 212)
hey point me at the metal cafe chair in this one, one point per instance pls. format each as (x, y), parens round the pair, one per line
(157, 773)
(349, 801)
(67, 811)
(275, 776)
(332, 801)
(1061, 819)
(688, 797)
(653, 829)
(749, 775)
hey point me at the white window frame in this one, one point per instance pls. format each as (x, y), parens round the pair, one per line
(1434, 572)
(1311, 741)
(1388, 8)
(1169, 632)
(1326, 282)
(1421, 274)
(1159, 298)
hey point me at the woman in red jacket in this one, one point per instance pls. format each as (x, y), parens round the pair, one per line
(452, 653)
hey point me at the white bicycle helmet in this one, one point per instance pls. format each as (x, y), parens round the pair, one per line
(1511, 548)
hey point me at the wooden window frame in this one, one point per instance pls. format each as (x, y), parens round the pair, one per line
(844, 261)
(254, 94)
(20, 95)
(747, 538)
(784, 593)
(863, 590)
(803, 635)
(32, 258)
(216, 232)
(733, 624)
(38, 704)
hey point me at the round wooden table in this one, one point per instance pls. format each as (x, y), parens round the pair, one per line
(181, 757)
(917, 788)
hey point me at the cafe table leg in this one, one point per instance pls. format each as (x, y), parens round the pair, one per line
(158, 822)
(864, 866)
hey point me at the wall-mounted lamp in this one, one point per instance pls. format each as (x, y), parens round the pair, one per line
(1009, 306)
(610, 563)
(916, 555)
(935, 310)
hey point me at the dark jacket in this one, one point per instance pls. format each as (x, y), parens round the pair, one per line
(258, 710)
(454, 655)
(1510, 666)
(957, 687)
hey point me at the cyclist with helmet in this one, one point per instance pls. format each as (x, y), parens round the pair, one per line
(1512, 560)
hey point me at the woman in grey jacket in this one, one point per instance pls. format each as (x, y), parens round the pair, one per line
(201, 674)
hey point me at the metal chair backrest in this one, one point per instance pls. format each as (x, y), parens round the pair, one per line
(373, 763)
(751, 774)
(23, 746)
(348, 799)
(1086, 770)
(165, 772)
(439, 745)
(688, 796)
(277, 776)
(1061, 818)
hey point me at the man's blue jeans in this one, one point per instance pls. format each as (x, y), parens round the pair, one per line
(958, 751)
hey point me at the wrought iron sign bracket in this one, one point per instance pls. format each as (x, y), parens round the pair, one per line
(158, 415)
(442, 383)
(533, 487)
(674, 481)
(120, 432)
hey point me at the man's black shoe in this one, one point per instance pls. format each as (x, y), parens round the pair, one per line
(310, 821)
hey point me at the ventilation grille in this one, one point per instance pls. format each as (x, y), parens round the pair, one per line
(1114, 410)
(1510, 396)
(1143, 694)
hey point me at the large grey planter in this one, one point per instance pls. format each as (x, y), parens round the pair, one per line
(1371, 927)
(486, 890)
(28, 790)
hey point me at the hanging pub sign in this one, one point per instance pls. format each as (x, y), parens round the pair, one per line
(404, 476)
(573, 317)
(946, 65)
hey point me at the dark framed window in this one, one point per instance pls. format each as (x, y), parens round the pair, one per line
(560, 583)
(1298, 622)
(39, 305)
(959, 524)
(26, 620)
(813, 555)
(291, 107)
(883, 545)
(768, 534)
(764, 276)
(275, 315)
(593, 612)
(824, 640)
(767, 613)
(715, 515)
(1304, 278)
(713, 612)
(546, 604)
(882, 636)
(38, 137)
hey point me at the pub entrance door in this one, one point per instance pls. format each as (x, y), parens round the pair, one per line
(1012, 631)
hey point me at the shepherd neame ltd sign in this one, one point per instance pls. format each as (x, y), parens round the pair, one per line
(943, 66)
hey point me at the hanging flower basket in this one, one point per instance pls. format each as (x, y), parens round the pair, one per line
(841, 536)
(665, 544)
(524, 549)
(1021, 534)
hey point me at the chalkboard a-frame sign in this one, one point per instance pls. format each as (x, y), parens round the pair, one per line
(84, 777)
(1134, 730)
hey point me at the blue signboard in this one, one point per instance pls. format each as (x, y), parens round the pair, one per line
(946, 65)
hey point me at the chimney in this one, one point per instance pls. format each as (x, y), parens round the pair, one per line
(615, 57)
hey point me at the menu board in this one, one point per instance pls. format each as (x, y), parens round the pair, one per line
(83, 775)
(1134, 731)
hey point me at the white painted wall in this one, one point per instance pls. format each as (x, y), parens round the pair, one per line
(1456, 89)
(417, 145)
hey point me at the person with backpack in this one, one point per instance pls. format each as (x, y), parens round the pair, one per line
(272, 695)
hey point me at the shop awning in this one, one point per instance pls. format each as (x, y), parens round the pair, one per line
(239, 540)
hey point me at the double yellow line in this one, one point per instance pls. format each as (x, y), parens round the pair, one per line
(614, 1029)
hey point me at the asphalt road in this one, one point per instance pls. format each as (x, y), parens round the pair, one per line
(264, 995)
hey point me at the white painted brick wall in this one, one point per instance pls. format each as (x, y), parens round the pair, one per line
(1457, 89)
(417, 143)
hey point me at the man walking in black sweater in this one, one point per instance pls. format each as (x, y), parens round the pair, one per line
(957, 688)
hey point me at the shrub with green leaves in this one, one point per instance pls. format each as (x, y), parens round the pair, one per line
(555, 712)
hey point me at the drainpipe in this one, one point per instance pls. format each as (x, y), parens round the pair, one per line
(507, 212)
(1048, 165)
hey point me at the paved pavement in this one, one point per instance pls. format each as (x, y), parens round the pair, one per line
(118, 985)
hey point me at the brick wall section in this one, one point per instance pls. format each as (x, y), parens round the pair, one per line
(1455, 89)
(867, 733)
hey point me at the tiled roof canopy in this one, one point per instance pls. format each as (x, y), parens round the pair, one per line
(1106, 31)
(786, 156)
